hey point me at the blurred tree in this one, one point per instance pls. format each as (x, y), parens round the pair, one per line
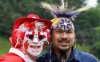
(98, 1)
(10, 10)
(86, 24)
(95, 49)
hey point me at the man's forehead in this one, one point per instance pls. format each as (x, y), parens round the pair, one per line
(62, 23)
(57, 29)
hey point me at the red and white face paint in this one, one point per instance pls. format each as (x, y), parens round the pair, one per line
(32, 43)
(33, 36)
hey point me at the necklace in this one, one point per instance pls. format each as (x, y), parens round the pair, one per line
(64, 60)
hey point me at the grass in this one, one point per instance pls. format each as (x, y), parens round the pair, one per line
(4, 45)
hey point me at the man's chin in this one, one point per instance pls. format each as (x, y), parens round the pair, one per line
(64, 48)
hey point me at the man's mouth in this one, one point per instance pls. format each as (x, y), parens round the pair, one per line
(64, 44)
(64, 41)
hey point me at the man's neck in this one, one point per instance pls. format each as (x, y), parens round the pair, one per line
(68, 53)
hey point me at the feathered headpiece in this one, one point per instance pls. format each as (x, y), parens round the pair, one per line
(63, 14)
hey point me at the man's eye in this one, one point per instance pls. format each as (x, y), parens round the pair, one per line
(41, 37)
(30, 36)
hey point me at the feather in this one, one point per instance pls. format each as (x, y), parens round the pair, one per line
(62, 4)
(48, 6)
(82, 9)
(62, 10)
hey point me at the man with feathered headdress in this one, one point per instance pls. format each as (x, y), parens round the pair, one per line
(63, 36)
(29, 35)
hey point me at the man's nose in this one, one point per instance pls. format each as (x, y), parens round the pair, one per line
(64, 35)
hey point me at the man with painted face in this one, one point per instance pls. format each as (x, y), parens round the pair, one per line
(63, 36)
(28, 37)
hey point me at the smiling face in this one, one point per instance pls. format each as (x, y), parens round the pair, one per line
(33, 43)
(34, 39)
(62, 40)
(31, 36)
(62, 36)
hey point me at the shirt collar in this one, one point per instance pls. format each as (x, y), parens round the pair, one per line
(72, 57)
(17, 52)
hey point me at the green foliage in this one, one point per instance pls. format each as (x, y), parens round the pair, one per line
(86, 24)
(95, 49)
(83, 47)
(99, 2)
(97, 33)
(10, 10)
(4, 45)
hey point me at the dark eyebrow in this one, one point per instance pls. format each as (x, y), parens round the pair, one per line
(69, 31)
(59, 30)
